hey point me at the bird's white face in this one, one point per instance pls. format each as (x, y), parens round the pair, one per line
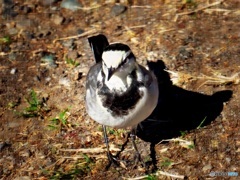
(113, 59)
(118, 63)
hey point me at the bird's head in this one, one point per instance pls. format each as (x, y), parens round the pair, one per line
(118, 59)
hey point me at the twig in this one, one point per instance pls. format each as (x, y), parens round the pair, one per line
(82, 157)
(135, 6)
(199, 9)
(166, 30)
(157, 174)
(174, 140)
(90, 150)
(218, 10)
(89, 8)
(92, 31)
(170, 175)
(135, 27)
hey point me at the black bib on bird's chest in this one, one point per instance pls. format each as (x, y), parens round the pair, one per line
(120, 104)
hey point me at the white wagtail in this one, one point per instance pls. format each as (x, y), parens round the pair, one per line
(120, 93)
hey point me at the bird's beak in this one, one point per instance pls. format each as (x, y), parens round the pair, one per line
(110, 73)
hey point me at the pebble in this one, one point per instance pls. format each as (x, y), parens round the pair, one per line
(57, 19)
(13, 71)
(64, 81)
(49, 61)
(47, 2)
(118, 9)
(12, 56)
(71, 5)
(207, 167)
(228, 160)
(184, 53)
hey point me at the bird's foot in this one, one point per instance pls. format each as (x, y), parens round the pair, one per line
(112, 160)
(138, 159)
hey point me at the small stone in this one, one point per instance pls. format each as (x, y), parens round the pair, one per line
(118, 9)
(64, 81)
(47, 2)
(207, 167)
(80, 31)
(58, 20)
(13, 71)
(49, 61)
(71, 5)
(12, 56)
(184, 53)
(228, 160)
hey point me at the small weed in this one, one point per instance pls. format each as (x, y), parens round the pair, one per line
(151, 177)
(60, 120)
(166, 163)
(190, 3)
(200, 125)
(79, 169)
(5, 40)
(191, 146)
(116, 132)
(72, 62)
(35, 107)
(183, 133)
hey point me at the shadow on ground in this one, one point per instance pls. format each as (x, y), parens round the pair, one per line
(178, 110)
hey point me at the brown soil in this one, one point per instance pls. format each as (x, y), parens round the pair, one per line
(199, 42)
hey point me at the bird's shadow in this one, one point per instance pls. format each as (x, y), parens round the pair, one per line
(178, 110)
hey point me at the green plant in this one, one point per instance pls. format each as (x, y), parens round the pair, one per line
(60, 120)
(151, 177)
(72, 62)
(166, 162)
(191, 146)
(35, 107)
(5, 40)
(190, 3)
(183, 133)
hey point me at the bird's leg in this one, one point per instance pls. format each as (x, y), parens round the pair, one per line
(111, 159)
(137, 154)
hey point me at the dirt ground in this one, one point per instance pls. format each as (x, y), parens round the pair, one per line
(45, 132)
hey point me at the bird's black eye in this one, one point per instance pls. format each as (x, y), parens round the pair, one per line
(124, 61)
(127, 59)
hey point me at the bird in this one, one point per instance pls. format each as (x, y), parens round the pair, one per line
(120, 93)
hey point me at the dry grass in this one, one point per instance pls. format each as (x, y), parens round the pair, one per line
(179, 78)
